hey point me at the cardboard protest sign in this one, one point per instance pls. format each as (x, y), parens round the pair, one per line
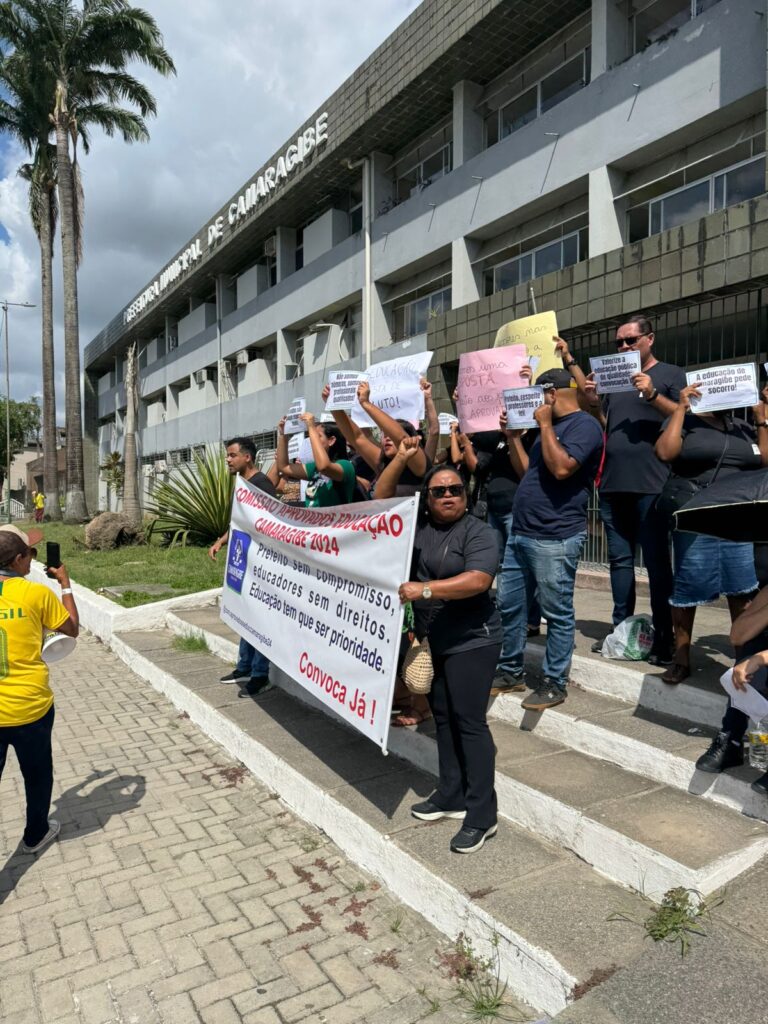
(483, 376)
(521, 403)
(537, 333)
(343, 385)
(446, 419)
(316, 591)
(395, 388)
(293, 425)
(725, 387)
(614, 373)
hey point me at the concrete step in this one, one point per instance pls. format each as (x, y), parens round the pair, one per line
(518, 891)
(648, 836)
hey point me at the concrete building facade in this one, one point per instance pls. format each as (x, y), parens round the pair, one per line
(489, 158)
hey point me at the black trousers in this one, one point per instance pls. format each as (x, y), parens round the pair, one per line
(32, 744)
(466, 754)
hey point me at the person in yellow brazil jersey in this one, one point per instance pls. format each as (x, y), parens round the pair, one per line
(26, 701)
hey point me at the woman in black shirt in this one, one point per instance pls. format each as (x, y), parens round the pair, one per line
(455, 558)
(701, 448)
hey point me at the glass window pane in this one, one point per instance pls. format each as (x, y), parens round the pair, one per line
(562, 83)
(637, 222)
(519, 112)
(570, 250)
(434, 166)
(745, 182)
(549, 258)
(658, 20)
(492, 128)
(419, 316)
(655, 218)
(718, 196)
(685, 206)
(406, 183)
(525, 264)
(507, 275)
(400, 323)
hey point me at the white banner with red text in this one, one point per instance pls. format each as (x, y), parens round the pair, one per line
(316, 591)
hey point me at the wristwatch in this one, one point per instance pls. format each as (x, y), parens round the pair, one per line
(570, 363)
(761, 423)
(426, 592)
(653, 395)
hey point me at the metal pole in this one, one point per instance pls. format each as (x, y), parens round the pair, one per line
(5, 304)
(367, 273)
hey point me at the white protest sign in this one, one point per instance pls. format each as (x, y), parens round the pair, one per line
(294, 446)
(614, 373)
(343, 385)
(293, 425)
(395, 388)
(750, 701)
(725, 387)
(521, 403)
(316, 591)
(446, 419)
(765, 367)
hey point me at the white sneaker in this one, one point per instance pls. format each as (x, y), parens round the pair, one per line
(53, 830)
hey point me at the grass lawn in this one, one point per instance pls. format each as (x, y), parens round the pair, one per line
(186, 569)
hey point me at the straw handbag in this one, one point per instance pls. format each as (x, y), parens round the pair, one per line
(418, 670)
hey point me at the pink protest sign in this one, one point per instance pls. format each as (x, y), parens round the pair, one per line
(483, 376)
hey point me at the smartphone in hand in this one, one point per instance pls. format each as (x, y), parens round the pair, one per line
(52, 556)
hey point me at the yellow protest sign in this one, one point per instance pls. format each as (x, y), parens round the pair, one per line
(537, 334)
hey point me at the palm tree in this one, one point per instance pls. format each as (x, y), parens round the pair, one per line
(131, 507)
(24, 115)
(86, 51)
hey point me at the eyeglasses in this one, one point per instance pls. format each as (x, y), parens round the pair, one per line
(455, 490)
(620, 342)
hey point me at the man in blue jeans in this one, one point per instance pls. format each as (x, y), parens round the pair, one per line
(548, 532)
(252, 668)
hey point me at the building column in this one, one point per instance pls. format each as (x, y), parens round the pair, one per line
(467, 123)
(610, 35)
(466, 280)
(606, 215)
(227, 296)
(91, 439)
(285, 239)
(286, 353)
(381, 329)
(382, 183)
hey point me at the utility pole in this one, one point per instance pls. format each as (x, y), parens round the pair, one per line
(4, 305)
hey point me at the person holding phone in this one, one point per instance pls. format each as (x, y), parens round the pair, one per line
(27, 610)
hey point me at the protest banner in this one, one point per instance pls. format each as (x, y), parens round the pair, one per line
(614, 373)
(446, 419)
(483, 376)
(395, 388)
(538, 334)
(724, 387)
(316, 591)
(343, 385)
(521, 403)
(294, 425)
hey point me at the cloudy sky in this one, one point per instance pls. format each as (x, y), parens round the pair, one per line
(249, 72)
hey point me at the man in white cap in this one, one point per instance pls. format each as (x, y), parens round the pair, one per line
(26, 701)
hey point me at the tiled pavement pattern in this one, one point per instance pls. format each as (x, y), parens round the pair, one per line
(181, 891)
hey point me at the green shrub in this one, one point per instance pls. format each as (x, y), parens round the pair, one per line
(194, 504)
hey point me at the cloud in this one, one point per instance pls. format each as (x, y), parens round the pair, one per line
(249, 72)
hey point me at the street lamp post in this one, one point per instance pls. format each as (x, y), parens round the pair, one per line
(4, 305)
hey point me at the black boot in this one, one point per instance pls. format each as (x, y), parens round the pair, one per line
(722, 754)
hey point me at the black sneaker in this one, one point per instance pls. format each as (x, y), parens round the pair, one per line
(234, 676)
(661, 656)
(532, 630)
(546, 695)
(467, 839)
(597, 646)
(507, 682)
(761, 785)
(427, 811)
(721, 754)
(254, 686)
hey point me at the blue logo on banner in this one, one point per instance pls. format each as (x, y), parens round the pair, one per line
(237, 562)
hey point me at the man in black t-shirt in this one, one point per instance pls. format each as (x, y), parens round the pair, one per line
(252, 667)
(633, 478)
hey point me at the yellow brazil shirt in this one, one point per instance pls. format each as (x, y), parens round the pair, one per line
(39, 501)
(26, 609)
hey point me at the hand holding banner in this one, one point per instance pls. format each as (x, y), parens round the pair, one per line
(446, 419)
(294, 446)
(537, 333)
(725, 387)
(521, 403)
(293, 424)
(482, 378)
(343, 385)
(395, 388)
(613, 374)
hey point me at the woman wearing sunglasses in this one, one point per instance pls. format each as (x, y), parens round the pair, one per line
(455, 557)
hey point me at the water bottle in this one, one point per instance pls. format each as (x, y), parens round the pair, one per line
(758, 744)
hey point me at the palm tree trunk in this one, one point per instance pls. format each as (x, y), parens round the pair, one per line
(50, 455)
(131, 507)
(76, 510)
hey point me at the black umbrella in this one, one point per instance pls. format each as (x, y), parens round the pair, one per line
(733, 508)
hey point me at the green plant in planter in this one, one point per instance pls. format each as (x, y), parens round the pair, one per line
(194, 504)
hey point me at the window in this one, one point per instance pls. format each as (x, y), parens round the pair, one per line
(537, 99)
(425, 172)
(652, 20)
(356, 218)
(562, 252)
(681, 206)
(413, 317)
(299, 248)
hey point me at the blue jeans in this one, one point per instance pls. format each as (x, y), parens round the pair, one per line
(550, 566)
(502, 524)
(629, 520)
(250, 661)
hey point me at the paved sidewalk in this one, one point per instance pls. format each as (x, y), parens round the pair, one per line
(181, 891)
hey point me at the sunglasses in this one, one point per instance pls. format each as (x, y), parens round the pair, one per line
(455, 490)
(620, 342)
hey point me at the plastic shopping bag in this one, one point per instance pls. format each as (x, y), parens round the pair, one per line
(631, 640)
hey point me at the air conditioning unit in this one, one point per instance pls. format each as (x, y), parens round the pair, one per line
(148, 470)
(201, 376)
(242, 357)
(160, 466)
(270, 246)
(173, 341)
(228, 365)
(292, 371)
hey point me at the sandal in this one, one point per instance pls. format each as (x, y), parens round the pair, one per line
(676, 673)
(410, 717)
